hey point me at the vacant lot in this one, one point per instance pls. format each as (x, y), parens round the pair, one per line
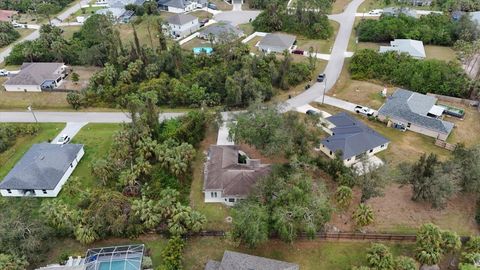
(146, 30)
(318, 45)
(247, 28)
(84, 75)
(309, 254)
(68, 31)
(201, 14)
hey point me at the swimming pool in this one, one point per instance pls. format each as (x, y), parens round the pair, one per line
(119, 265)
(198, 50)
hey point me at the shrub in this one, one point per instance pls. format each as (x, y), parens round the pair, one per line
(363, 216)
(172, 254)
(343, 196)
(380, 257)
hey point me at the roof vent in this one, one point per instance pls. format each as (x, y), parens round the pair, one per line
(42, 157)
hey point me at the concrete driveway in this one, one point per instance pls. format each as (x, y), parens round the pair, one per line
(71, 129)
(237, 17)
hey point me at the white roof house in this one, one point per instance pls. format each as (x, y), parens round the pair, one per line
(182, 25)
(42, 171)
(414, 48)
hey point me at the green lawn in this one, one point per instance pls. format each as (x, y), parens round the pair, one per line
(9, 158)
(83, 12)
(247, 28)
(97, 140)
(319, 45)
(309, 254)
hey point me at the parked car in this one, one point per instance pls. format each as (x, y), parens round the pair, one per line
(321, 77)
(4, 73)
(312, 112)
(298, 52)
(203, 22)
(18, 25)
(64, 139)
(399, 126)
(364, 110)
(212, 6)
(376, 12)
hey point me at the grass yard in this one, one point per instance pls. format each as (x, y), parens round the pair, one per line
(97, 140)
(146, 31)
(309, 254)
(68, 31)
(221, 5)
(84, 75)
(247, 28)
(215, 212)
(23, 33)
(40, 100)
(9, 158)
(440, 53)
(83, 12)
(319, 45)
(196, 42)
(201, 14)
(467, 130)
(339, 5)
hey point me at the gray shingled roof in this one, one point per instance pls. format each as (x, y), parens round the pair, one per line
(411, 47)
(181, 19)
(172, 3)
(278, 40)
(239, 261)
(35, 74)
(222, 30)
(42, 167)
(223, 172)
(351, 137)
(413, 107)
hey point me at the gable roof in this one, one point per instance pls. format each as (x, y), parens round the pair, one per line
(351, 136)
(123, 3)
(412, 47)
(223, 172)
(239, 261)
(278, 40)
(172, 3)
(181, 19)
(413, 107)
(222, 30)
(6, 15)
(42, 167)
(35, 74)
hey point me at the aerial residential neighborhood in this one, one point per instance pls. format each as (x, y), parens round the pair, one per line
(240, 135)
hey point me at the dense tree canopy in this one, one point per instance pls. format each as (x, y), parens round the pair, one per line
(32, 5)
(423, 76)
(8, 34)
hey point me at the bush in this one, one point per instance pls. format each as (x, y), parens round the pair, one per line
(172, 254)
(74, 99)
(430, 76)
(9, 133)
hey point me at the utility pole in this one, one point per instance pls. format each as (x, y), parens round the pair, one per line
(33, 113)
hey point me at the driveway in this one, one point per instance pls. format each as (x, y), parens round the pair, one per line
(237, 17)
(71, 129)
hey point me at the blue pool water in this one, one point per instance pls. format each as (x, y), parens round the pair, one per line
(207, 50)
(120, 265)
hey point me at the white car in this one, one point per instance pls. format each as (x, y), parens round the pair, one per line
(4, 73)
(376, 12)
(364, 110)
(18, 25)
(64, 139)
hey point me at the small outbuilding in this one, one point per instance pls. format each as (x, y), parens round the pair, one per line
(414, 48)
(42, 171)
(277, 43)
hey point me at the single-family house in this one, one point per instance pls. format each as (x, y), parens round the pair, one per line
(7, 15)
(119, 3)
(36, 77)
(181, 6)
(221, 32)
(277, 43)
(230, 174)
(119, 14)
(351, 138)
(181, 25)
(414, 48)
(416, 112)
(240, 261)
(42, 171)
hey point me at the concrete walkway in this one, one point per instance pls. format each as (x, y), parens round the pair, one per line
(71, 129)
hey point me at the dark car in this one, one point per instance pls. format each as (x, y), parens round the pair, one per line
(321, 77)
(203, 22)
(212, 6)
(312, 112)
(298, 52)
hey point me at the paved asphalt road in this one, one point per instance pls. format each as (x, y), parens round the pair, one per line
(36, 34)
(337, 57)
(62, 117)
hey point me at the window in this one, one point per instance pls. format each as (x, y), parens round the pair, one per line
(330, 152)
(225, 199)
(44, 191)
(9, 191)
(71, 165)
(231, 200)
(213, 194)
(370, 151)
(409, 124)
(348, 159)
(383, 145)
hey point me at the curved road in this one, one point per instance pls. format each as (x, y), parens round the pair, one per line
(332, 71)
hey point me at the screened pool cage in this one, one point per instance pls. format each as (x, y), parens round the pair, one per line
(115, 258)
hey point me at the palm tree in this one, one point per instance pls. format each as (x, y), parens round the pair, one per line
(363, 216)
(148, 211)
(429, 245)
(380, 257)
(343, 196)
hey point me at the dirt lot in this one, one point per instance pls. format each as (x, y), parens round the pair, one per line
(84, 73)
(396, 212)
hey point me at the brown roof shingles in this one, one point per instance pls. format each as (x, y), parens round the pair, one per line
(7, 15)
(223, 172)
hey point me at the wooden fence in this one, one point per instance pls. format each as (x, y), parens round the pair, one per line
(445, 145)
